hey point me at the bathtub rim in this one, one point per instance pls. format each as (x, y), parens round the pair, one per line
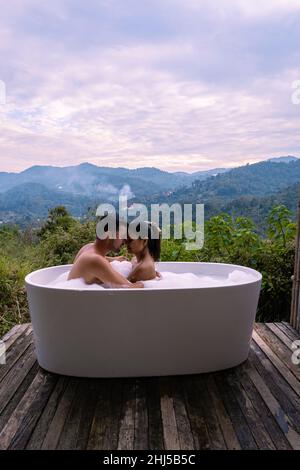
(257, 274)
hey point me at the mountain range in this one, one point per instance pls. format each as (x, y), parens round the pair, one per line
(96, 181)
(245, 190)
(259, 179)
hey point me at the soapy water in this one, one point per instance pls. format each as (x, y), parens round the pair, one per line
(168, 279)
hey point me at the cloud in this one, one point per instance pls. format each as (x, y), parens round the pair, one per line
(161, 83)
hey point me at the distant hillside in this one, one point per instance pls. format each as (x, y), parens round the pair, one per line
(250, 190)
(30, 201)
(257, 208)
(96, 181)
(287, 159)
(256, 180)
(91, 180)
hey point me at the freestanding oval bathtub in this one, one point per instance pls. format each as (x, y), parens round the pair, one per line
(143, 332)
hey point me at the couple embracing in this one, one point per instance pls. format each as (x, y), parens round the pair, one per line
(94, 266)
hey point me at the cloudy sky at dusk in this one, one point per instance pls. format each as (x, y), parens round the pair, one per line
(176, 84)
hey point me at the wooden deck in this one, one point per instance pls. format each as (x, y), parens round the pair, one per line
(256, 405)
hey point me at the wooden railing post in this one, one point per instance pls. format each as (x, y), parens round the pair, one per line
(295, 307)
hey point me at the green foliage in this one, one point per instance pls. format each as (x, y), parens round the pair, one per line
(61, 245)
(58, 217)
(13, 302)
(22, 252)
(227, 240)
(280, 226)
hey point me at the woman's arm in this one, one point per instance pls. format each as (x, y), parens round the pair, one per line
(142, 273)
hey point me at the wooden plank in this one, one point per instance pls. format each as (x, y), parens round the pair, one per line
(11, 333)
(195, 413)
(256, 425)
(265, 362)
(155, 428)
(101, 417)
(285, 395)
(280, 366)
(18, 395)
(111, 434)
(294, 333)
(281, 335)
(170, 432)
(56, 426)
(265, 416)
(15, 376)
(30, 419)
(41, 429)
(90, 392)
(19, 427)
(272, 403)
(185, 436)
(226, 425)
(10, 337)
(209, 413)
(127, 419)
(100, 420)
(69, 435)
(233, 409)
(289, 334)
(278, 347)
(141, 416)
(20, 344)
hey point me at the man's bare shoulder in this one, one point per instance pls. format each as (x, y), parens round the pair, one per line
(91, 257)
(85, 249)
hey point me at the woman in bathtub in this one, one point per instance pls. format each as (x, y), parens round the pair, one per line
(146, 251)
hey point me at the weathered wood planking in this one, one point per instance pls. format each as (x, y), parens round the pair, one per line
(253, 406)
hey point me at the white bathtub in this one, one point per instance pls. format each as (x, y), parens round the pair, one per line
(143, 332)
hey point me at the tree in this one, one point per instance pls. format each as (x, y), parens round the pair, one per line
(57, 217)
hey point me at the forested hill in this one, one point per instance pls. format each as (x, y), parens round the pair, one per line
(260, 179)
(257, 208)
(28, 202)
(250, 190)
(96, 181)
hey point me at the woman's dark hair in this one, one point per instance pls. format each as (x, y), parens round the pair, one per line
(153, 242)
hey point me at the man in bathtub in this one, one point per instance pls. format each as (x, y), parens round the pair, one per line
(92, 264)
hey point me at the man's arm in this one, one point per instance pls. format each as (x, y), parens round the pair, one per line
(115, 258)
(101, 269)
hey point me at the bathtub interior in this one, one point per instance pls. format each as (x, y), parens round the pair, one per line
(44, 277)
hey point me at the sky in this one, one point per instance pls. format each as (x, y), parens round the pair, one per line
(176, 84)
